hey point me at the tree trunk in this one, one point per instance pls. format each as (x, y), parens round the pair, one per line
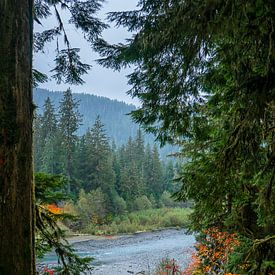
(16, 112)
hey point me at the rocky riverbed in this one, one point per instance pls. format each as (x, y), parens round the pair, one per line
(134, 254)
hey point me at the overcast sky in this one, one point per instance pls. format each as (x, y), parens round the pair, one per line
(99, 81)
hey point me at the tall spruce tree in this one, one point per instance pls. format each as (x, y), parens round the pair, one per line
(49, 136)
(101, 173)
(69, 121)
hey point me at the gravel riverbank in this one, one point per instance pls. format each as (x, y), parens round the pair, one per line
(137, 253)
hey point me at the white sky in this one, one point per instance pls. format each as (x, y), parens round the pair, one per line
(99, 81)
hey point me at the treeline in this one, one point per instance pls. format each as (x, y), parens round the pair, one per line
(113, 114)
(104, 178)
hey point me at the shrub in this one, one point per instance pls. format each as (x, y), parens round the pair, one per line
(91, 207)
(119, 205)
(213, 252)
(168, 267)
(142, 220)
(166, 199)
(141, 203)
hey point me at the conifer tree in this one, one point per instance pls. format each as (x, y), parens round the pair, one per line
(82, 164)
(37, 141)
(169, 174)
(101, 173)
(131, 184)
(69, 121)
(16, 115)
(138, 149)
(48, 136)
(155, 174)
(49, 120)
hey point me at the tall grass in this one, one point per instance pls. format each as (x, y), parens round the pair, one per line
(143, 220)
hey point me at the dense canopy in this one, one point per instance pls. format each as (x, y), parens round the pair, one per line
(204, 72)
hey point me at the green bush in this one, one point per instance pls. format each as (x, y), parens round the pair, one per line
(141, 203)
(120, 205)
(143, 220)
(91, 207)
(166, 199)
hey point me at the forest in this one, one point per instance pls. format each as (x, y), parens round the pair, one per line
(115, 116)
(203, 72)
(120, 179)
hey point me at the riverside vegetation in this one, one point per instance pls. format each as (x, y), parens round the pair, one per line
(142, 220)
(116, 179)
(95, 186)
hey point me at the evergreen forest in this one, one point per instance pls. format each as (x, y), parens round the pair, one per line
(112, 179)
(115, 116)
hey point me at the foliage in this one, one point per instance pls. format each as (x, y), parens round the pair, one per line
(250, 253)
(141, 203)
(213, 251)
(205, 77)
(143, 220)
(82, 14)
(91, 207)
(168, 267)
(167, 201)
(48, 234)
(124, 175)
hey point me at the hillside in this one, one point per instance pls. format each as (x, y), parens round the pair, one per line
(113, 113)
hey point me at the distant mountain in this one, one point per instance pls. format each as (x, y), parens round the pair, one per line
(113, 114)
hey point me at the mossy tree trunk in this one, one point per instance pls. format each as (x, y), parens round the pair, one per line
(16, 111)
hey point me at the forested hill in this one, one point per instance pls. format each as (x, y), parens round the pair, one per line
(118, 125)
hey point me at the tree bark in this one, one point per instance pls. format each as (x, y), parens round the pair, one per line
(16, 113)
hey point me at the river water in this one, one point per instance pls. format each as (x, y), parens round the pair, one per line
(137, 253)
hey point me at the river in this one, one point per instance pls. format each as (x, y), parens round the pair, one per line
(137, 253)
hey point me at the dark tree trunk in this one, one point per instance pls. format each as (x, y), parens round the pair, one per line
(16, 112)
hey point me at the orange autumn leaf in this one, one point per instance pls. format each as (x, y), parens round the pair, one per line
(54, 209)
(212, 252)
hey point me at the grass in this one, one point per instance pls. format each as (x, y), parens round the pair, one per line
(144, 220)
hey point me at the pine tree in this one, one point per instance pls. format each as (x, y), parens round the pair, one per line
(138, 149)
(69, 121)
(100, 172)
(48, 135)
(155, 174)
(82, 164)
(38, 141)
